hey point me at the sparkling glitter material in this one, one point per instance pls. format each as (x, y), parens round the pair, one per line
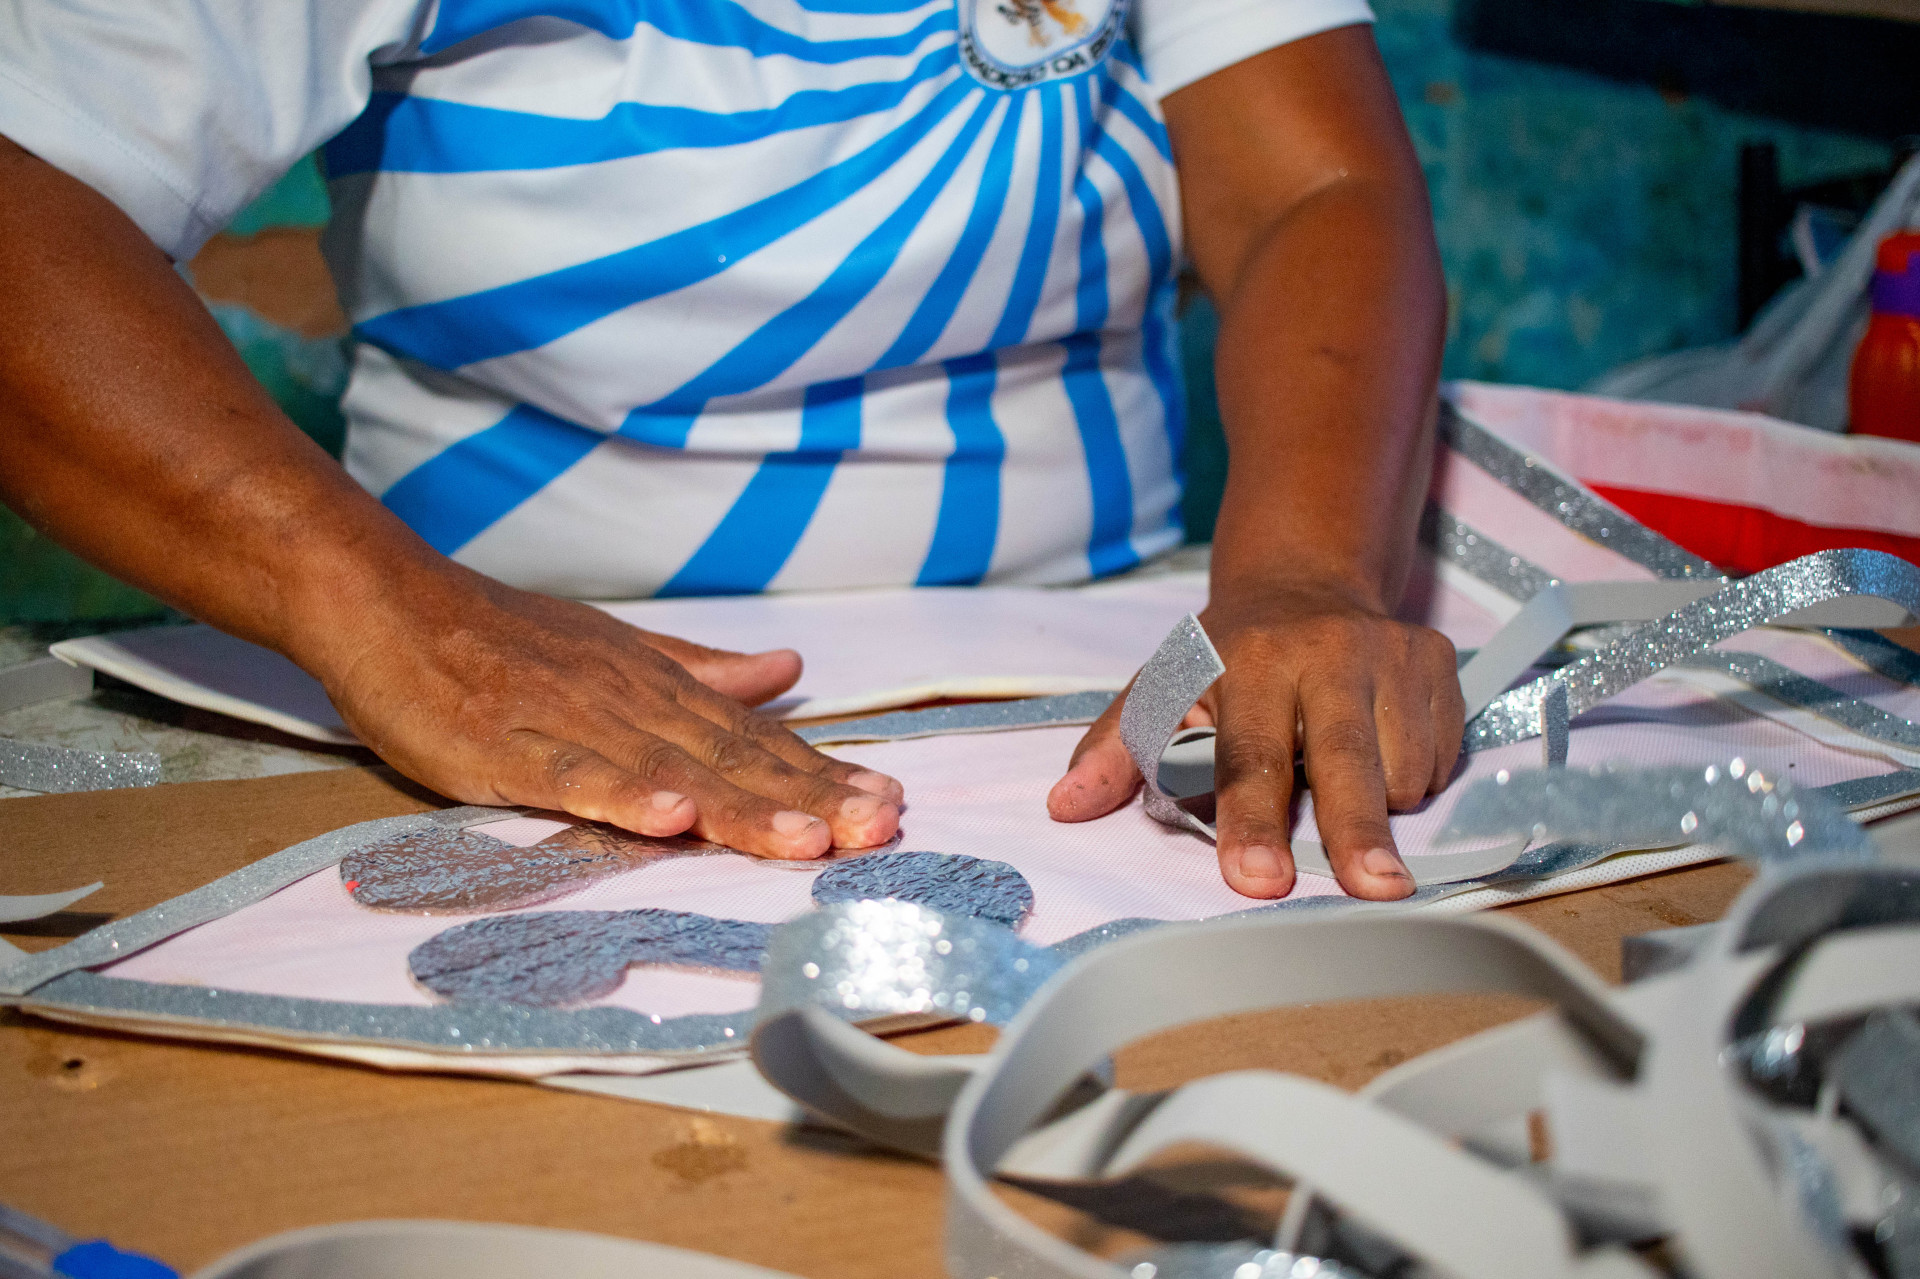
(1878, 1073)
(969, 717)
(1784, 684)
(1728, 806)
(553, 958)
(225, 895)
(1568, 503)
(463, 872)
(1866, 792)
(1180, 670)
(1881, 654)
(950, 883)
(869, 958)
(1458, 543)
(470, 1028)
(59, 770)
(1692, 630)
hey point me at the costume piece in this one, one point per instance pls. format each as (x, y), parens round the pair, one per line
(892, 266)
(1686, 1109)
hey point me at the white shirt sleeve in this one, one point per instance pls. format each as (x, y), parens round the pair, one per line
(182, 111)
(1181, 41)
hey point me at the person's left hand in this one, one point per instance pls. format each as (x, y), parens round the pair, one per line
(1373, 705)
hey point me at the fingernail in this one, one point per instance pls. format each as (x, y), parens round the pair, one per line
(793, 824)
(666, 800)
(1257, 861)
(862, 808)
(1384, 862)
(868, 780)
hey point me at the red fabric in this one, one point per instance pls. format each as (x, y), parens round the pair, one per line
(1745, 539)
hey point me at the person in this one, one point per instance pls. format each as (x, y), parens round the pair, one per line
(692, 296)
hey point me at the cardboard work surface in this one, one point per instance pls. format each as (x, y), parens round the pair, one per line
(187, 1151)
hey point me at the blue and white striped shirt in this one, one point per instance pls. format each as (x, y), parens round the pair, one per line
(696, 296)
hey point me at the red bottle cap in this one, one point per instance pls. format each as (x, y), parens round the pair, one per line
(1895, 251)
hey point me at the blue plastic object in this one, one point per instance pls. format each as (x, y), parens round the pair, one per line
(98, 1259)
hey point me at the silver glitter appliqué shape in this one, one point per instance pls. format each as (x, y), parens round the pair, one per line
(1566, 502)
(1690, 631)
(951, 883)
(460, 872)
(60, 770)
(869, 958)
(1182, 669)
(1729, 806)
(555, 958)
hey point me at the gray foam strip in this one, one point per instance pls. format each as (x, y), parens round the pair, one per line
(59, 770)
(42, 680)
(1892, 660)
(222, 897)
(970, 717)
(464, 1028)
(1784, 684)
(1567, 502)
(1456, 542)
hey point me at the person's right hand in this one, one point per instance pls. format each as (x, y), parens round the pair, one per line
(492, 695)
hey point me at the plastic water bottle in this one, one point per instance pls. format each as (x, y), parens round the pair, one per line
(1883, 392)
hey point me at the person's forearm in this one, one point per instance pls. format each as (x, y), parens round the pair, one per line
(1328, 353)
(132, 433)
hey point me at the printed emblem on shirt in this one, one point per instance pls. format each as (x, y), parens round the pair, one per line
(1011, 44)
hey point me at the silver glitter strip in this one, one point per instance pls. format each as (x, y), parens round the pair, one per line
(1692, 630)
(968, 717)
(1182, 669)
(1456, 542)
(222, 897)
(951, 883)
(555, 958)
(1245, 1260)
(1784, 684)
(1732, 806)
(1895, 661)
(471, 1028)
(1568, 503)
(59, 770)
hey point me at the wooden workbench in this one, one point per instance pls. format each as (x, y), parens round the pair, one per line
(186, 1151)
